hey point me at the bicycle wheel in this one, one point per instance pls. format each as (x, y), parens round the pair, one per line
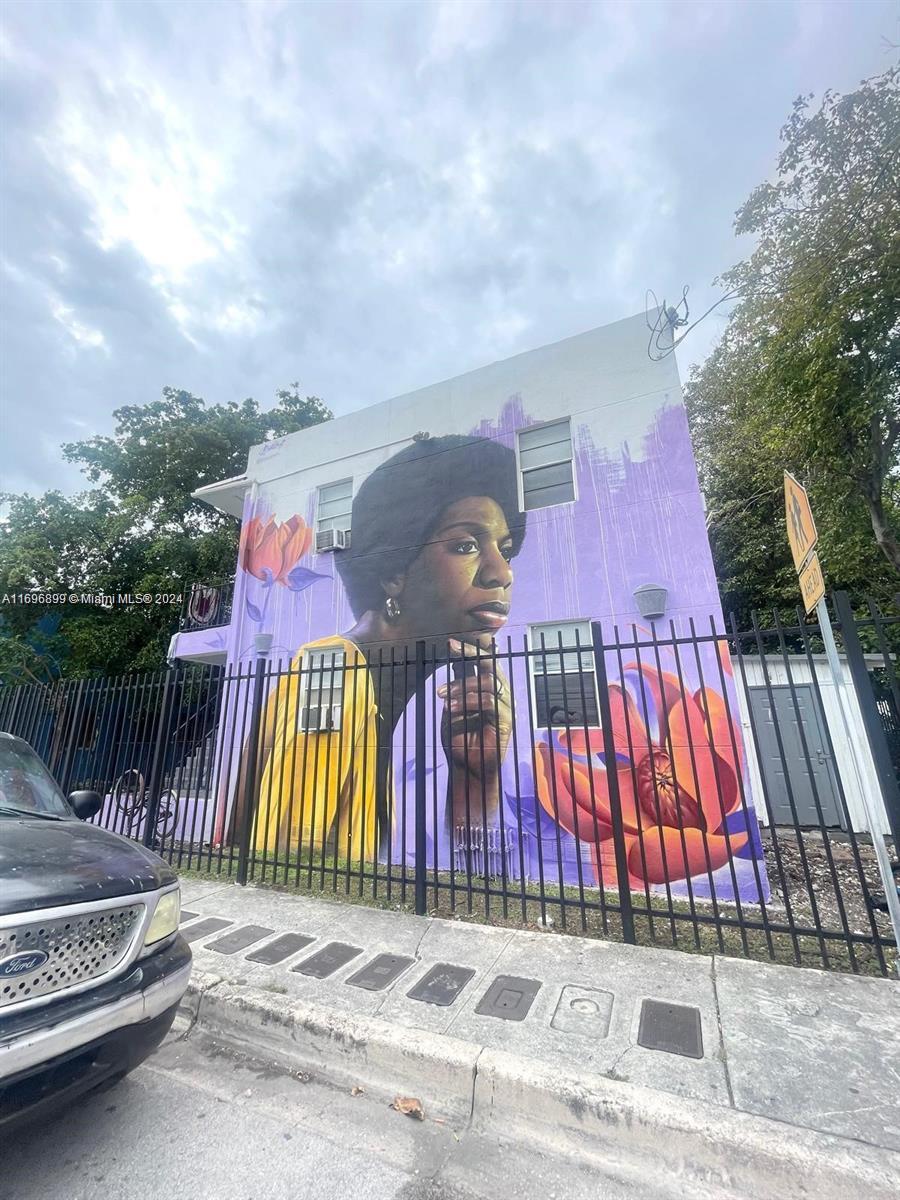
(166, 816)
(129, 791)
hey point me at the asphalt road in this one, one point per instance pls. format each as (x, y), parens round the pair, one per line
(199, 1123)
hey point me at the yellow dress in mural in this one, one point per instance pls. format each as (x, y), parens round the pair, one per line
(309, 778)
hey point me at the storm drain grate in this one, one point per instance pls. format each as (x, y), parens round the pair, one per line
(442, 984)
(674, 1028)
(283, 947)
(328, 960)
(239, 939)
(508, 998)
(205, 928)
(381, 971)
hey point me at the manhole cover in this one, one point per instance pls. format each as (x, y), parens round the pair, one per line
(509, 998)
(205, 928)
(239, 939)
(442, 984)
(674, 1028)
(380, 972)
(283, 947)
(328, 960)
(583, 1010)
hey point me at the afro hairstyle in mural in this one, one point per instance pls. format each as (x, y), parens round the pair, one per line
(399, 505)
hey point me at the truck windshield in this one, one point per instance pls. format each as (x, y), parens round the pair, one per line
(25, 784)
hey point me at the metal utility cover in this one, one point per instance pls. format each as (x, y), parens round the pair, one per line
(205, 928)
(583, 1010)
(509, 998)
(442, 984)
(328, 960)
(283, 947)
(674, 1028)
(187, 916)
(381, 971)
(240, 939)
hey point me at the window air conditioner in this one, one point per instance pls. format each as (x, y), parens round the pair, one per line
(320, 718)
(332, 539)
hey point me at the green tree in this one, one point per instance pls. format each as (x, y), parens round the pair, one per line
(139, 530)
(807, 374)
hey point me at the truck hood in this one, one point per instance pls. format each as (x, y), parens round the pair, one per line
(48, 863)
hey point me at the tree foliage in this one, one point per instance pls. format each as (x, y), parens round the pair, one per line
(138, 531)
(807, 374)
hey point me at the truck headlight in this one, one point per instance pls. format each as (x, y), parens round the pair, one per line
(165, 920)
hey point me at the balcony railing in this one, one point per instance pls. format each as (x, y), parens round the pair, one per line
(207, 605)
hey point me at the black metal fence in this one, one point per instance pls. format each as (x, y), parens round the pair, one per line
(683, 787)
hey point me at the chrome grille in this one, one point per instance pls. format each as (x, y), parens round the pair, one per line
(79, 948)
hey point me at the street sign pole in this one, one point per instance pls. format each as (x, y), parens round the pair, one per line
(881, 855)
(803, 538)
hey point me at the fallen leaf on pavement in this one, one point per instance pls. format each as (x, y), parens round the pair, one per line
(357, 1091)
(409, 1106)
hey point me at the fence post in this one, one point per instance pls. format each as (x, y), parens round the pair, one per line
(884, 768)
(157, 766)
(421, 799)
(262, 644)
(71, 740)
(612, 780)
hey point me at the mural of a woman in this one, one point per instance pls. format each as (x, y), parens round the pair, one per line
(434, 530)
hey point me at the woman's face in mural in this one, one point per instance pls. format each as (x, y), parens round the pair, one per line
(460, 582)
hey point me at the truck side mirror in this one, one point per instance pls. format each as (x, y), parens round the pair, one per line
(85, 804)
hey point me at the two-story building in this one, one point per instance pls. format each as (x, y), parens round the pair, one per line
(506, 516)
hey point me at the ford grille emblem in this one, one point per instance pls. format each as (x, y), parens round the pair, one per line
(22, 963)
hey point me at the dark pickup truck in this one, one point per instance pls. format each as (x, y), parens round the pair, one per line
(92, 966)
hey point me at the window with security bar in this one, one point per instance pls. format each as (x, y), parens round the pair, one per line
(563, 678)
(322, 691)
(545, 465)
(335, 502)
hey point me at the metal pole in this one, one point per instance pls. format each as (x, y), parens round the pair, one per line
(612, 780)
(864, 697)
(262, 644)
(421, 798)
(159, 757)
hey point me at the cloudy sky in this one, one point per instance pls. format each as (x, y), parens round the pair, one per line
(368, 197)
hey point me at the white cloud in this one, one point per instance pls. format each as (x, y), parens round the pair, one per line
(369, 197)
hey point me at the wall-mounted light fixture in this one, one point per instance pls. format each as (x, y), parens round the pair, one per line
(262, 644)
(651, 600)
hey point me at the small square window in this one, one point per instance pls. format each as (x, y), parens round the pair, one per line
(335, 503)
(322, 691)
(545, 464)
(562, 668)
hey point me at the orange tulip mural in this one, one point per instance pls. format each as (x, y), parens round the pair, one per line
(678, 770)
(270, 552)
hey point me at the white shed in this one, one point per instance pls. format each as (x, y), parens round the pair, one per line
(851, 763)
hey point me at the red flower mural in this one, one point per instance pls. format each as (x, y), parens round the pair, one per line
(678, 777)
(270, 550)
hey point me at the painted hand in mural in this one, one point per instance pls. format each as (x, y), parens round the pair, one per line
(677, 771)
(475, 730)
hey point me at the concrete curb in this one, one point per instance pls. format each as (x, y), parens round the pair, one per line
(664, 1142)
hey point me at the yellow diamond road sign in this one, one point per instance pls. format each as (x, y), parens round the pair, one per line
(812, 583)
(801, 527)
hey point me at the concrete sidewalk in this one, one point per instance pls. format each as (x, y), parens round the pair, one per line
(765, 1080)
